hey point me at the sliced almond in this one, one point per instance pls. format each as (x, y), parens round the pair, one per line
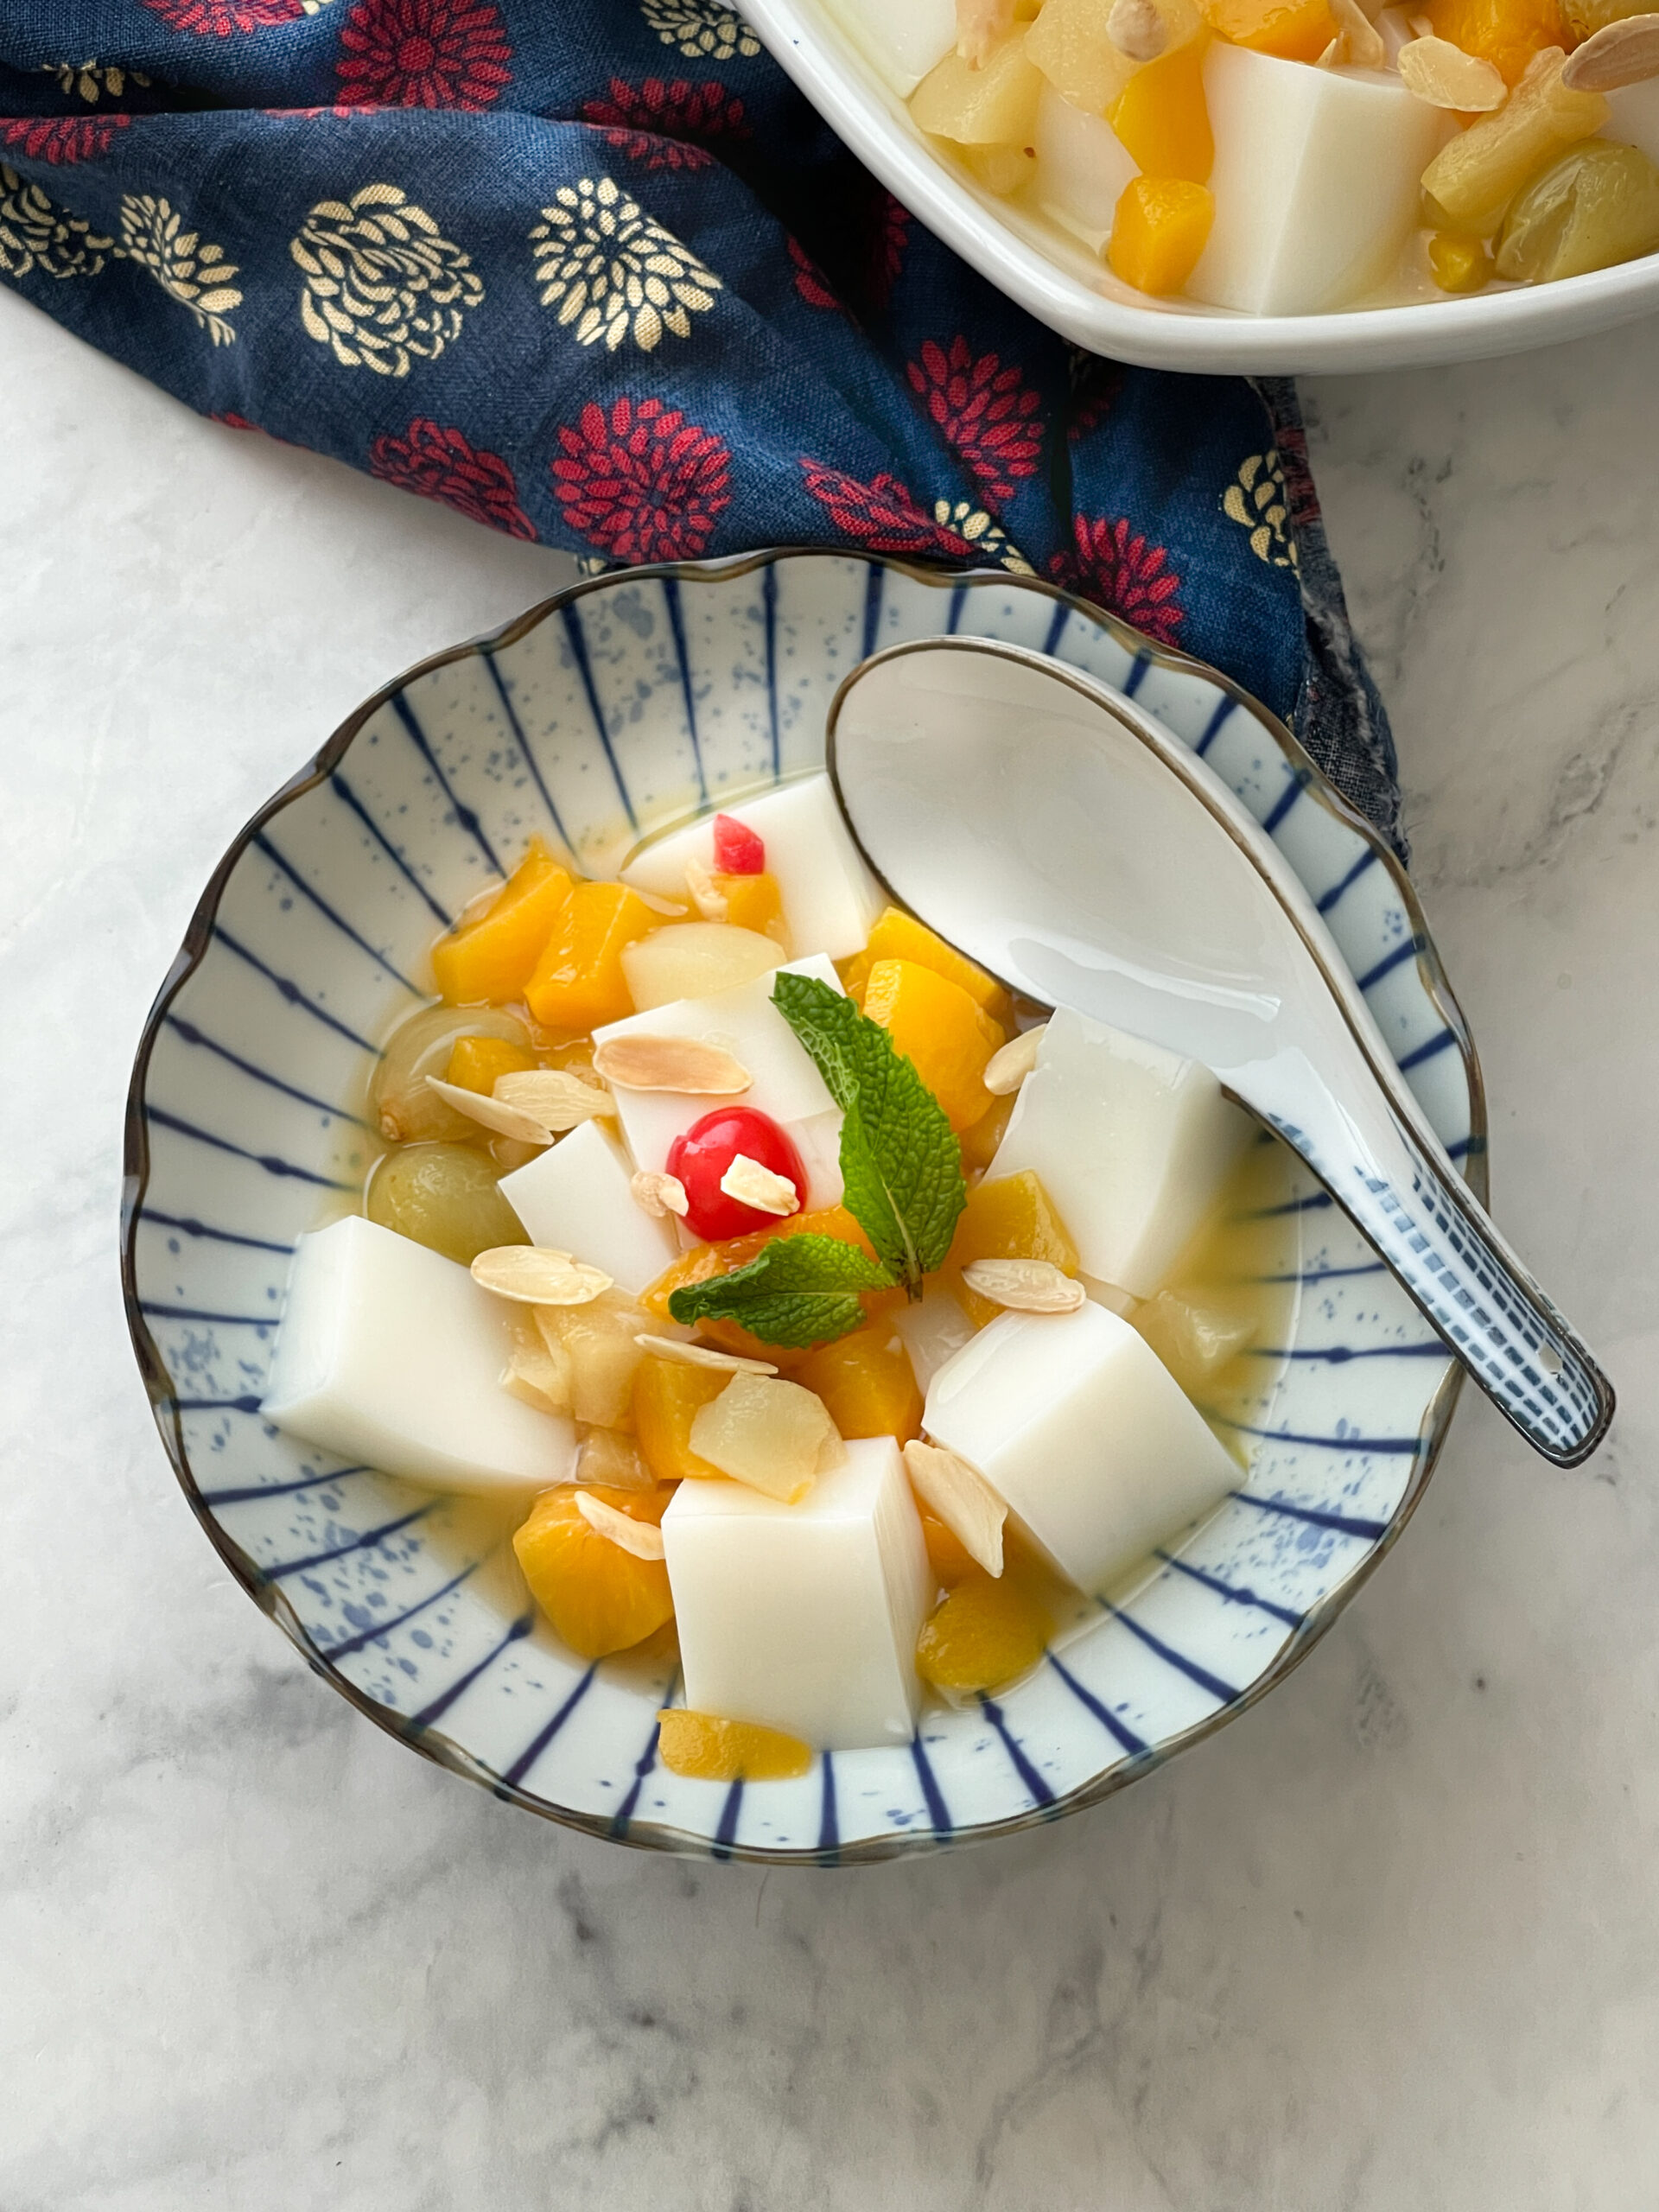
(492, 1113)
(751, 1185)
(674, 909)
(689, 1355)
(659, 1195)
(710, 902)
(1625, 52)
(611, 1461)
(628, 1535)
(1443, 75)
(1025, 1285)
(1363, 46)
(644, 1062)
(1137, 30)
(1009, 1066)
(963, 1499)
(551, 1096)
(1332, 56)
(536, 1276)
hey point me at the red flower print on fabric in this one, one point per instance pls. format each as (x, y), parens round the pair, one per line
(640, 482)
(659, 123)
(424, 53)
(891, 244)
(1094, 386)
(810, 282)
(1120, 570)
(57, 138)
(882, 514)
(225, 18)
(441, 463)
(982, 412)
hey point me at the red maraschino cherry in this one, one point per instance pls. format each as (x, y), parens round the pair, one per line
(707, 1148)
(738, 851)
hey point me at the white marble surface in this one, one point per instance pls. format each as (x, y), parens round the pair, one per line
(1389, 1943)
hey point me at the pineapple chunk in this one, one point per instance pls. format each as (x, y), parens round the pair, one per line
(995, 105)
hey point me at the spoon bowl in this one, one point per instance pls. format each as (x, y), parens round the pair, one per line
(1065, 841)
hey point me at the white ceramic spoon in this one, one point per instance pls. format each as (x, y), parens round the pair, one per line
(1070, 844)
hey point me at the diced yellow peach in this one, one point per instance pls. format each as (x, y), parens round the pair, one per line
(855, 974)
(980, 1142)
(899, 936)
(1296, 30)
(1506, 33)
(753, 902)
(866, 1382)
(489, 960)
(706, 1260)
(668, 1395)
(936, 1025)
(599, 1598)
(578, 982)
(476, 1062)
(947, 1555)
(701, 1747)
(1159, 232)
(1011, 1217)
(1162, 118)
(1470, 182)
(995, 105)
(985, 1633)
(1458, 265)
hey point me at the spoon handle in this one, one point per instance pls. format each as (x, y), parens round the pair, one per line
(1448, 1254)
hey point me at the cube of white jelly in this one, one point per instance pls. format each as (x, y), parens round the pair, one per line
(1078, 1426)
(933, 1329)
(1315, 181)
(902, 39)
(786, 1084)
(575, 1198)
(391, 1355)
(1130, 1141)
(829, 897)
(804, 1617)
(1082, 166)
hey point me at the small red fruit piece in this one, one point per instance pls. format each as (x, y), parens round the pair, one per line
(738, 851)
(707, 1148)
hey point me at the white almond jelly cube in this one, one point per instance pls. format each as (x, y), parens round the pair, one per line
(1130, 1141)
(903, 39)
(786, 1084)
(1085, 1435)
(391, 1355)
(804, 1617)
(1315, 181)
(830, 900)
(1083, 168)
(575, 1198)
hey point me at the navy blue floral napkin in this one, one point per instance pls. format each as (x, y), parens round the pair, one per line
(599, 275)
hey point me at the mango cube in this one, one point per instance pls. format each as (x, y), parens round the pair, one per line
(575, 1197)
(1162, 118)
(1159, 232)
(579, 982)
(668, 1395)
(1077, 1424)
(490, 959)
(1008, 1217)
(900, 935)
(866, 1383)
(804, 1617)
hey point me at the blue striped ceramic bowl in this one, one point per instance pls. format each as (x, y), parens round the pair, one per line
(620, 705)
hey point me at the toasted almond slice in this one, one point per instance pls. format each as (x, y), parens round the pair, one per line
(1333, 55)
(713, 905)
(644, 1062)
(534, 1275)
(628, 1535)
(1362, 42)
(1136, 29)
(690, 1355)
(673, 908)
(659, 1195)
(751, 1185)
(551, 1096)
(610, 1461)
(492, 1113)
(1025, 1285)
(1443, 75)
(1009, 1066)
(963, 1499)
(1625, 53)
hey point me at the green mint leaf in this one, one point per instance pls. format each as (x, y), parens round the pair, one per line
(800, 1290)
(899, 1162)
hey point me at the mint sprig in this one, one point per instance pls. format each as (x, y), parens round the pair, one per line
(900, 1164)
(800, 1290)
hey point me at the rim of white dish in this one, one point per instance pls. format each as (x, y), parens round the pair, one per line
(806, 43)
(443, 1751)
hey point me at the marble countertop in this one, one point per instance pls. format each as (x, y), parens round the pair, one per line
(1390, 1942)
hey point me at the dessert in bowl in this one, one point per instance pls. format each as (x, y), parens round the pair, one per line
(818, 1568)
(1263, 185)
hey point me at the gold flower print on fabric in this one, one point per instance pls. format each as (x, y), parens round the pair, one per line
(93, 81)
(383, 285)
(984, 535)
(701, 30)
(194, 273)
(612, 272)
(36, 234)
(1256, 500)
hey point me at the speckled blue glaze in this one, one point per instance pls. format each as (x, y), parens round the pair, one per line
(617, 708)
